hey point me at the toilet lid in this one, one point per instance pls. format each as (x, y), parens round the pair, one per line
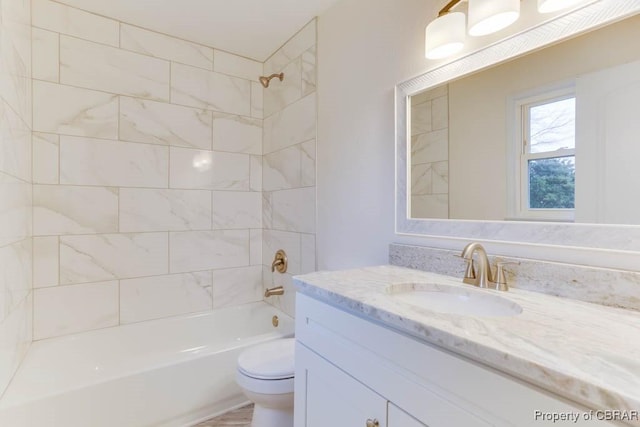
(269, 361)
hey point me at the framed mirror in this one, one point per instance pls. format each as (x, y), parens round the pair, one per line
(530, 139)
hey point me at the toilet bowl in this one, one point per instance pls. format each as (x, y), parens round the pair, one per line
(266, 376)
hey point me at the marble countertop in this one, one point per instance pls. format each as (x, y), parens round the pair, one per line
(585, 352)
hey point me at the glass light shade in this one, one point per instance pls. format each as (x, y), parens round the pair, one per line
(548, 6)
(489, 16)
(445, 35)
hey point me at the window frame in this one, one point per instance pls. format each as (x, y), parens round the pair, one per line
(519, 157)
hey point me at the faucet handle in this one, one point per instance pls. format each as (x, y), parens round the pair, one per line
(470, 273)
(501, 279)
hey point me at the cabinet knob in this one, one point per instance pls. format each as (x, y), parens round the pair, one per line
(372, 423)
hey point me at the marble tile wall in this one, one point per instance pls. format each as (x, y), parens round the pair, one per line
(16, 242)
(289, 163)
(430, 154)
(147, 154)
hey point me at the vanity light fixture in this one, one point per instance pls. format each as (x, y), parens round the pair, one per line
(490, 16)
(445, 35)
(548, 6)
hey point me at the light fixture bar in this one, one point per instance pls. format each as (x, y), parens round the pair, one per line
(447, 8)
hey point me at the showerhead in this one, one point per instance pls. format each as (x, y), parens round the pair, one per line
(265, 80)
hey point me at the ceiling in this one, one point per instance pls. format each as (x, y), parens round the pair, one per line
(252, 28)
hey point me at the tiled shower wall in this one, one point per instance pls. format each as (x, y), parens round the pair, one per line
(15, 186)
(147, 173)
(430, 154)
(289, 163)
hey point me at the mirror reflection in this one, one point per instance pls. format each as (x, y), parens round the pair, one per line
(550, 136)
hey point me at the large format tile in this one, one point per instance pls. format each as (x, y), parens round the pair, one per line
(308, 163)
(238, 66)
(165, 47)
(59, 209)
(63, 19)
(209, 170)
(85, 161)
(15, 338)
(15, 209)
(282, 93)
(293, 125)
(293, 48)
(46, 261)
(15, 144)
(237, 134)
(46, 156)
(205, 89)
(255, 247)
(113, 70)
(112, 256)
(309, 76)
(63, 310)
(430, 147)
(165, 124)
(204, 250)
(255, 180)
(281, 169)
(257, 100)
(163, 296)
(295, 210)
(16, 275)
(74, 111)
(235, 286)
(15, 65)
(233, 209)
(272, 240)
(46, 49)
(164, 210)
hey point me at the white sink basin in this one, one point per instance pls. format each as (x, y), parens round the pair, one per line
(458, 300)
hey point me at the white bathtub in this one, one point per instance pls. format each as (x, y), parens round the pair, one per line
(169, 372)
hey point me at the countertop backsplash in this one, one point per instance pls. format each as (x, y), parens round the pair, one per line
(614, 288)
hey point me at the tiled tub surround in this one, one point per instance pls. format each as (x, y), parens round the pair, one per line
(615, 288)
(289, 172)
(581, 351)
(16, 244)
(147, 155)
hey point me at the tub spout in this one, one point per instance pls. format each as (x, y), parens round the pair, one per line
(274, 291)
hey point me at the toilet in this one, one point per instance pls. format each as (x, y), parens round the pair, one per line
(266, 376)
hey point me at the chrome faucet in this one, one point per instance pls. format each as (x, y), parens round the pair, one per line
(483, 276)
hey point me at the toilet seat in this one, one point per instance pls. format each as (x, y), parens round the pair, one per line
(268, 368)
(273, 360)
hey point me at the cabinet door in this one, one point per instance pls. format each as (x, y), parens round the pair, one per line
(327, 396)
(399, 418)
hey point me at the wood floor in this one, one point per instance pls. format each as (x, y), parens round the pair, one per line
(238, 418)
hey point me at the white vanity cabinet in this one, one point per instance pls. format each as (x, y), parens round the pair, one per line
(353, 372)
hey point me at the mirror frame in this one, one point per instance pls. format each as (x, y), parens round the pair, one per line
(581, 236)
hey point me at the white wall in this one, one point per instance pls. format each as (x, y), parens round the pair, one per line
(365, 47)
(16, 294)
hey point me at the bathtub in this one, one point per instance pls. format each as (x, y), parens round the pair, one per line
(168, 372)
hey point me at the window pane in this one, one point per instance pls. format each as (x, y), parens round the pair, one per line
(552, 126)
(552, 183)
